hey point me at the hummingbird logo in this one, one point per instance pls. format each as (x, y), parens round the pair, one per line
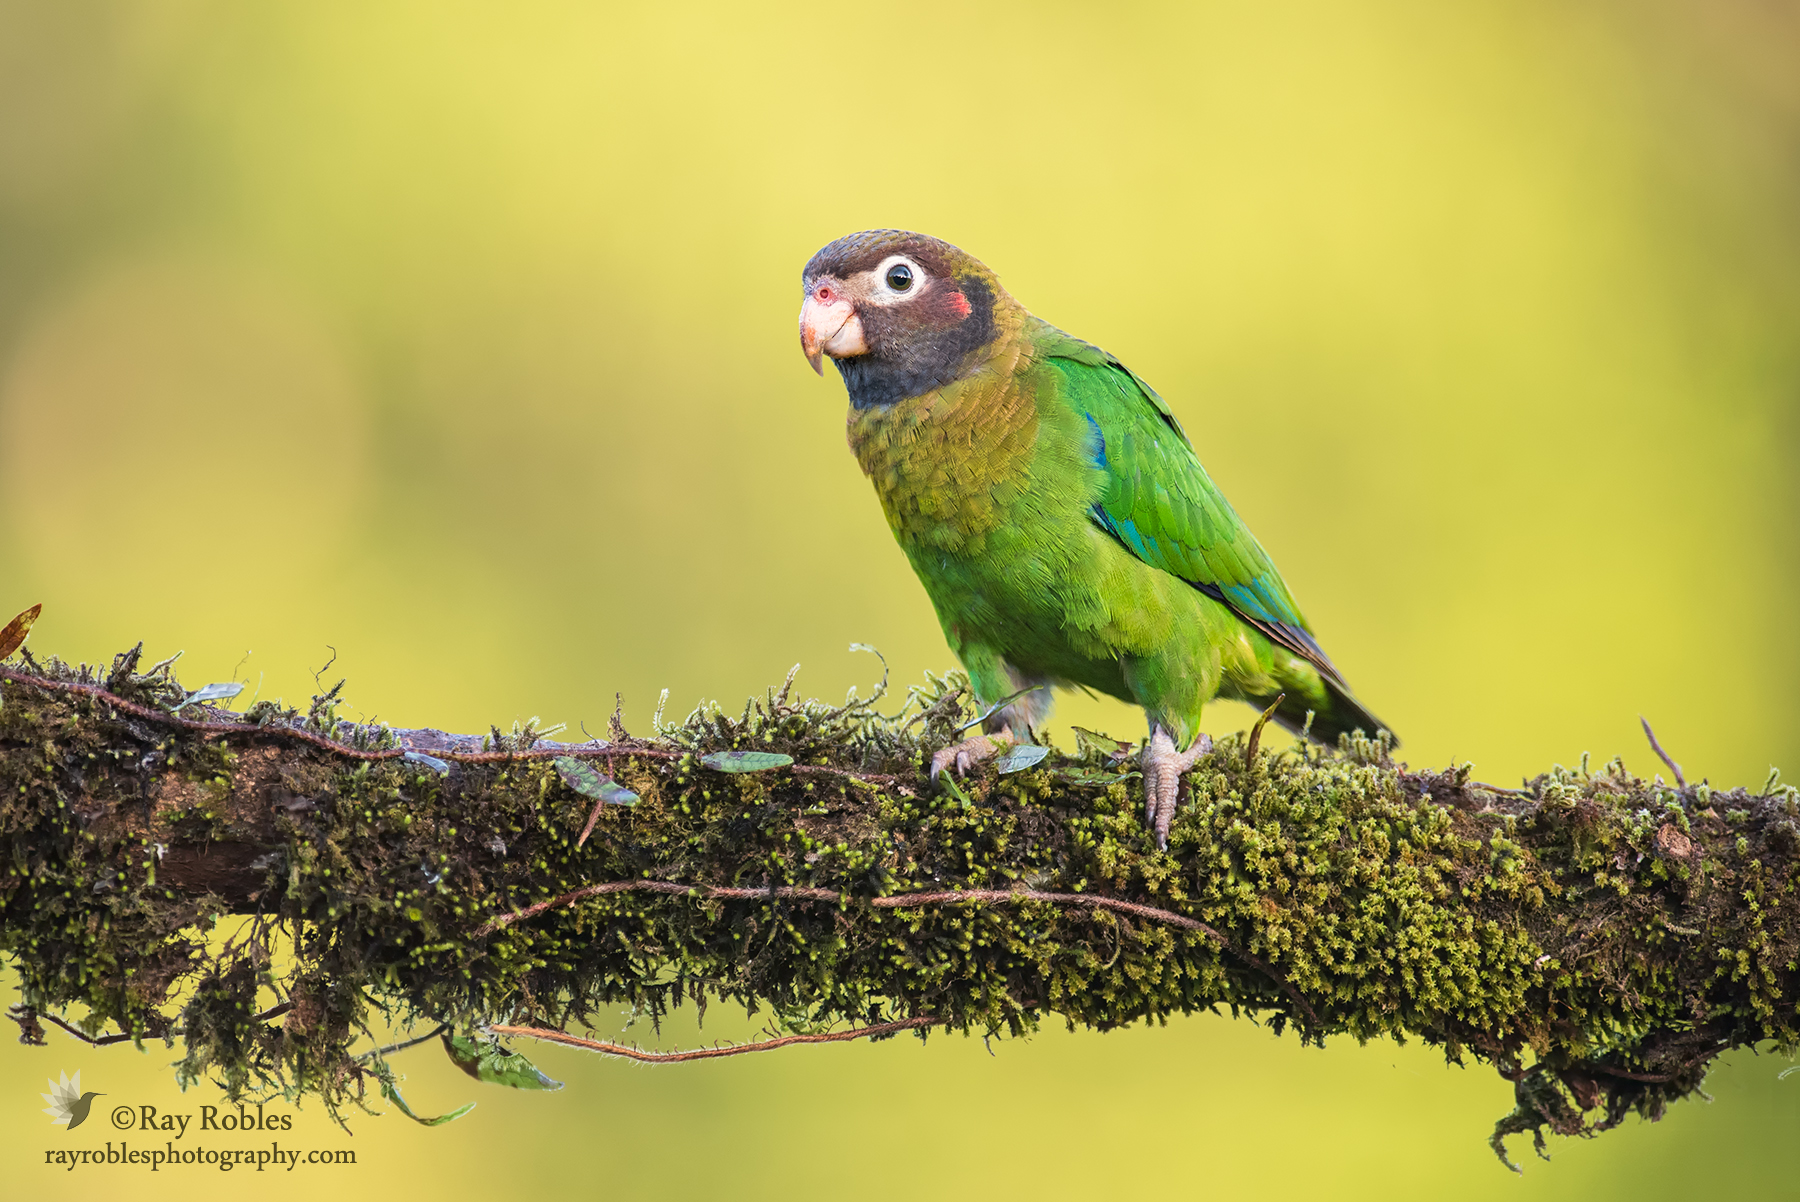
(67, 1103)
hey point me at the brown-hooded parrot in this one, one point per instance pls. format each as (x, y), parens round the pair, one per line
(1055, 512)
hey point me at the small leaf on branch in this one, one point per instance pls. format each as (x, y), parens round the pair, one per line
(1256, 731)
(486, 1060)
(223, 690)
(441, 767)
(1088, 742)
(746, 761)
(391, 1092)
(584, 780)
(1020, 757)
(1090, 776)
(12, 636)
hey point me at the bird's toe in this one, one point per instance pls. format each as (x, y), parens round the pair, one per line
(965, 756)
(1163, 768)
(1202, 746)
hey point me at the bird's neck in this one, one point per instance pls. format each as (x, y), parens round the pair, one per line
(946, 463)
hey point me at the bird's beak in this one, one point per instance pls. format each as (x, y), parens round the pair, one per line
(829, 326)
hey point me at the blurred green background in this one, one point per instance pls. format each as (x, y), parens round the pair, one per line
(459, 338)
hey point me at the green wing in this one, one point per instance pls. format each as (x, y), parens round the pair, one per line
(1159, 503)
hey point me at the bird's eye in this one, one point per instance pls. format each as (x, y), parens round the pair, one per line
(895, 279)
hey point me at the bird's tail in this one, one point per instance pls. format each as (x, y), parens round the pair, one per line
(1341, 714)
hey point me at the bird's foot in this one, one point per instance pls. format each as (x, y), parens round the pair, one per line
(1163, 768)
(965, 755)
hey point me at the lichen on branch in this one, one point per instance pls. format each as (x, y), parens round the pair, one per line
(1595, 936)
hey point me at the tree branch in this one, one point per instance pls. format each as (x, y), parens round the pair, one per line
(1597, 937)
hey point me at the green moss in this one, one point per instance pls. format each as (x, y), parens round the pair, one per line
(1596, 937)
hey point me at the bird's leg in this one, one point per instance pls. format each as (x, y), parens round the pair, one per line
(963, 756)
(1163, 768)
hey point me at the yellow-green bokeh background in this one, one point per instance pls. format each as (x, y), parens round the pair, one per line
(459, 337)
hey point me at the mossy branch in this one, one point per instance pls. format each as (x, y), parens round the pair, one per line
(1597, 937)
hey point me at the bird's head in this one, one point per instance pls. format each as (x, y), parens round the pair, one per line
(899, 313)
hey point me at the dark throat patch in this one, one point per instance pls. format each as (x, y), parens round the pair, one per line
(914, 350)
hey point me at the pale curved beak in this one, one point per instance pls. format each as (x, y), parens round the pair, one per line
(829, 328)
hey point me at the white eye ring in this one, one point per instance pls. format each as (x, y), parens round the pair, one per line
(884, 292)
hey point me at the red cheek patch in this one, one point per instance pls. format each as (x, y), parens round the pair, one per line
(958, 304)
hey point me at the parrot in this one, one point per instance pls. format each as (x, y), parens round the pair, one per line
(1056, 513)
